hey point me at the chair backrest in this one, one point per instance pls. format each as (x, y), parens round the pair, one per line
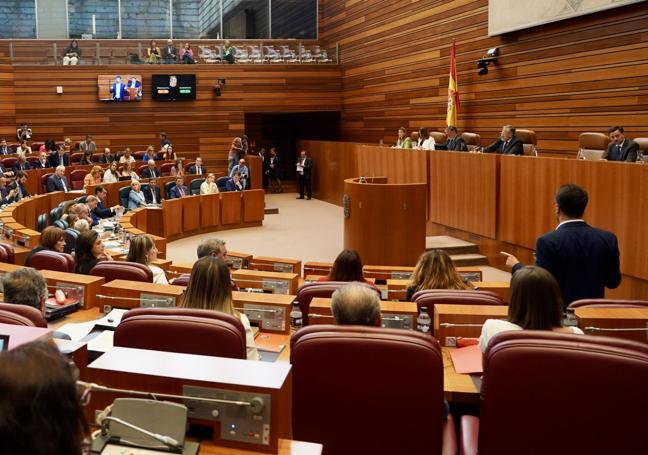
(123, 196)
(8, 163)
(573, 381)
(52, 260)
(141, 168)
(526, 136)
(221, 183)
(8, 253)
(41, 222)
(96, 156)
(439, 137)
(472, 140)
(182, 280)
(76, 179)
(26, 311)
(9, 317)
(122, 270)
(370, 381)
(194, 186)
(590, 154)
(165, 169)
(44, 179)
(32, 160)
(60, 224)
(606, 303)
(188, 165)
(529, 150)
(643, 147)
(325, 289)
(167, 188)
(594, 141)
(183, 330)
(139, 155)
(431, 297)
(71, 236)
(76, 157)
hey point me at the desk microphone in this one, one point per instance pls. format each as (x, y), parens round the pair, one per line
(445, 325)
(166, 440)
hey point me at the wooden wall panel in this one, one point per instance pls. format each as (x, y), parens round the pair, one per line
(205, 126)
(463, 191)
(616, 202)
(559, 79)
(398, 165)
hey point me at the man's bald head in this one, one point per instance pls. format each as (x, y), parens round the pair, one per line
(356, 304)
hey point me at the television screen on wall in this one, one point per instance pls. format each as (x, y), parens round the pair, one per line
(120, 87)
(174, 87)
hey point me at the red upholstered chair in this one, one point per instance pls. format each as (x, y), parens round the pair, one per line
(182, 330)
(165, 169)
(182, 280)
(141, 168)
(32, 160)
(547, 392)
(52, 260)
(9, 317)
(122, 270)
(75, 158)
(7, 253)
(96, 156)
(44, 178)
(325, 289)
(430, 297)
(139, 155)
(35, 146)
(14, 147)
(361, 390)
(31, 313)
(188, 165)
(8, 163)
(606, 303)
(76, 179)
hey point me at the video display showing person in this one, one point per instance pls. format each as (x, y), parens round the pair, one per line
(134, 88)
(115, 87)
(118, 90)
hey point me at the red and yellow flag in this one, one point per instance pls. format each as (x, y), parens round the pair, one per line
(453, 90)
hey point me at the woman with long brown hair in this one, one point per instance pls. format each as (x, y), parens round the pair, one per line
(435, 270)
(143, 251)
(210, 288)
(535, 303)
(347, 267)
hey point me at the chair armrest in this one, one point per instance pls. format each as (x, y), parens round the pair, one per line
(469, 437)
(449, 444)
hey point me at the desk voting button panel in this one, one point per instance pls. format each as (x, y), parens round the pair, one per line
(243, 417)
(268, 317)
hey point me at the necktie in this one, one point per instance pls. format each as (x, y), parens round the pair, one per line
(153, 200)
(64, 185)
(618, 153)
(181, 192)
(505, 147)
(198, 170)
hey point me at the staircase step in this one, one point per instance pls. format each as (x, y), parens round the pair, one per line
(464, 260)
(450, 245)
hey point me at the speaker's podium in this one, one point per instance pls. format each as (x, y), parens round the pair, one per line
(384, 222)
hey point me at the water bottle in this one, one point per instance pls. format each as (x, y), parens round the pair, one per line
(296, 317)
(423, 321)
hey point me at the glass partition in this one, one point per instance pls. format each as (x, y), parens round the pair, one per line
(145, 19)
(246, 19)
(17, 19)
(90, 17)
(294, 19)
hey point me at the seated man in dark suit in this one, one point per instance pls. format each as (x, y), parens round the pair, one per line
(21, 164)
(7, 194)
(179, 190)
(101, 210)
(356, 304)
(455, 141)
(4, 148)
(507, 144)
(57, 181)
(21, 179)
(620, 148)
(42, 162)
(198, 168)
(151, 172)
(584, 260)
(5, 172)
(107, 157)
(234, 183)
(59, 158)
(152, 192)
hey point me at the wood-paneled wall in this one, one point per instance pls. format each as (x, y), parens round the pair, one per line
(205, 126)
(559, 79)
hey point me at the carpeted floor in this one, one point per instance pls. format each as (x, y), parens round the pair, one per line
(307, 230)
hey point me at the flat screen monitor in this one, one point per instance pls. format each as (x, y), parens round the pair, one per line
(174, 87)
(120, 87)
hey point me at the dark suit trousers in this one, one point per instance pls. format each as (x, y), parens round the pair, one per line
(305, 185)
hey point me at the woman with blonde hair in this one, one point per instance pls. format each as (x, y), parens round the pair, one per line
(209, 185)
(435, 270)
(93, 177)
(210, 288)
(127, 171)
(143, 251)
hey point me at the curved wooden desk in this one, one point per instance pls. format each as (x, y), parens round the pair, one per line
(178, 218)
(385, 222)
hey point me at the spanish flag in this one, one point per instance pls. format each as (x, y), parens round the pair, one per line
(453, 90)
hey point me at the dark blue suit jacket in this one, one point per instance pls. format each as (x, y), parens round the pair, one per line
(55, 159)
(230, 186)
(174, 192)
(584, 260)
(55, 183)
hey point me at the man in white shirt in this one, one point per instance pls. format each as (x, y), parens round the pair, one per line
(304, 170)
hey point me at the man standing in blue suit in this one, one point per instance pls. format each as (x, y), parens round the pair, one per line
(583, 259)
(118, 90)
